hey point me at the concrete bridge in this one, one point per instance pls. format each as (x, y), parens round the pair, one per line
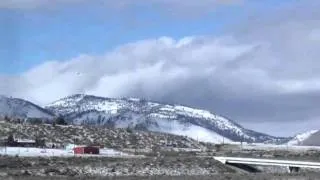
(293, 166)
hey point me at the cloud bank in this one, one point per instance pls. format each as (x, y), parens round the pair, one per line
(266, 76)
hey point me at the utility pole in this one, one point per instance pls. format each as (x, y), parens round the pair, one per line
(74, 145)
(242, 137)
(222, 140)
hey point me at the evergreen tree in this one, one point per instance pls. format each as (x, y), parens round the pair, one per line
(10, 140)
(40, 142)
(6, 118)
(61, 121)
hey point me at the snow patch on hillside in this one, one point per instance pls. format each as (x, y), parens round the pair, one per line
(190, 130)
(68, 101)
(111, 107)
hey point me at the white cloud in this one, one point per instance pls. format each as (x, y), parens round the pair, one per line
(144, 62)
(150, 65)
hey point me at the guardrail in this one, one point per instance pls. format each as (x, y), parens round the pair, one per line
(268, 162)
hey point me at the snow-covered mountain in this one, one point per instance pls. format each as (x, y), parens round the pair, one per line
(309, 138)
(146, 115)
(19, 108)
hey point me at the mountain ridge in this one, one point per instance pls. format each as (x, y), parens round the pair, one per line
(149, 115)
(141, 114)
(308, 138)
(20, 108)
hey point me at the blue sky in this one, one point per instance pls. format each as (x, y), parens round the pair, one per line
(30, 37)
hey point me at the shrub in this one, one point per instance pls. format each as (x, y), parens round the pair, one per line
(60, 121)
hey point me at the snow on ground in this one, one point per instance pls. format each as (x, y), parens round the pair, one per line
(68, 101)
(112, 152)
(193, 131)
(134, 99)
(36, 152)
(195, 112)
(111, 107)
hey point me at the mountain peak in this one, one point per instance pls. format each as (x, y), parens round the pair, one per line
(19, 108)
(305, 138)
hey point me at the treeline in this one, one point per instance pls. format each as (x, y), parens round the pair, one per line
(56, 121)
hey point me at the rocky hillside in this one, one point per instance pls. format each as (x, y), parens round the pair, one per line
(152, 116)
(112, 138)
